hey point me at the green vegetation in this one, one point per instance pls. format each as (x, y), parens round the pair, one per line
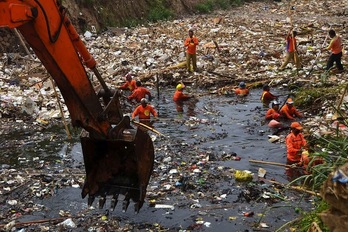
(131, 23)
(210, 5)
(311, 99)
(159, 11)
(332, 149)
(308, 218)
(205, 7)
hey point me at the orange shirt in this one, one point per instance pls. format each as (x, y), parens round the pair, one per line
(267, 96)
(241, 92)
(129, 85)
(272, 114)
(139, 93)
(291, 44)
(294, 143)
(180, 96)
(191, 44)
(144, 113)
(335, 45)
(290, 113)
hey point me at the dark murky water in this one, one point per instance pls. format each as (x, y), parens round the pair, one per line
(220, 126)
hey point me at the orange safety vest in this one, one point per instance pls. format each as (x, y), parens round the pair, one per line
(131, 85)
(294, 143)
(291, 43)
(144, 112)
(267, 96)
(336, 45)
(180, 96)
(290, 113)
(272, 114)
(241, 92)
(139, 93)
(191, 47)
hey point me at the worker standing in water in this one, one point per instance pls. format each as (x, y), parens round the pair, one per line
(180, 97)
(267, 96)
(296, 144)
(289, 111)
(139, 93)
(273, 113)
(242, 90)
(144, 111)
(130, 84)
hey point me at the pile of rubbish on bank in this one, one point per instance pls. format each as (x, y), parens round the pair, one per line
(250, 49)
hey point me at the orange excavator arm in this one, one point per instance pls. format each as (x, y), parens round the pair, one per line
(118, 158)
(50, 34)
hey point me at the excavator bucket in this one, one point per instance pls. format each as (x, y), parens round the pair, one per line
(119, 166)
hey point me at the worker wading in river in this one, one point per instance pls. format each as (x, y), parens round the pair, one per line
(295, 145)
(267, 96)
(139, 93)
(144, 111)
(130, 84)
(179, 98)
(289, 111)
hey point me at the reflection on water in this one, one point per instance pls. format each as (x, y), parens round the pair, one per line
(217, 124)
(204, 122)
(212, 127)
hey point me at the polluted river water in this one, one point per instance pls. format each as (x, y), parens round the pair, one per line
(193, 186)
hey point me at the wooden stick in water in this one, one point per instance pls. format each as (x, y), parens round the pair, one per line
(271, 163)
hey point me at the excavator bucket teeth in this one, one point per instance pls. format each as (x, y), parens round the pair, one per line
(119, 166)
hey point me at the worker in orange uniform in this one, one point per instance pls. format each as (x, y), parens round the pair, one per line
(191, 43)
(130, 84)
(267, 96)
(139, 93)
(242, 89)
(296, 145)
(289, 111)
(179, 97)
(291, 50)
(273, 113)
(335, 47)
(144, 111)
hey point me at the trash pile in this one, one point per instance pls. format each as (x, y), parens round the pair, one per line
(234, 46)
(334, 192)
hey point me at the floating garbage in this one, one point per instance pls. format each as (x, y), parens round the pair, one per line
(68, 223)
(161, 206)
(340, 176)
(248, 214)
(261, 173)
(273, 138)
(243, 175)
(263, 225)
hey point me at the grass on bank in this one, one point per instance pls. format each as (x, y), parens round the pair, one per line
(159, 11)
(333, 149)
(210, 5)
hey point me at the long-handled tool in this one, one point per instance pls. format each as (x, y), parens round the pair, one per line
(318, 55)
(335, 116)
(291, 8)
(147, 127)
(272, 163)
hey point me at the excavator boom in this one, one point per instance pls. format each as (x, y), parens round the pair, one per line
(112, 149)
